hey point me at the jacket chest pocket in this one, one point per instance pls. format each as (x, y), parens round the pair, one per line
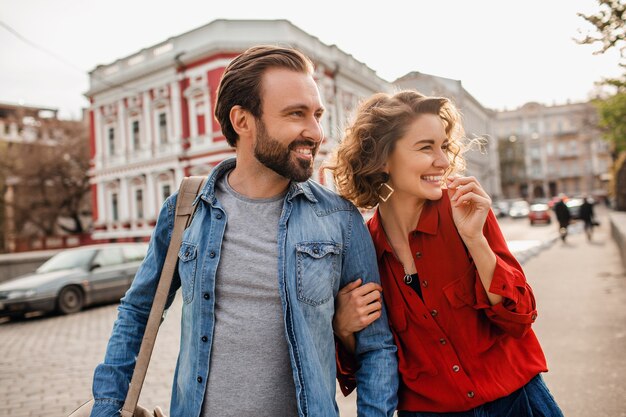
(317, 269)
(187, 260)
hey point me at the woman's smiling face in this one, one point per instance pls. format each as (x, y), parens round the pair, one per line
(419, 159)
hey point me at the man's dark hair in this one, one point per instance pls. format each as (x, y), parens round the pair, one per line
(241, 82)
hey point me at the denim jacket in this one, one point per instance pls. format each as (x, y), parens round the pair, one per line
(323, 244)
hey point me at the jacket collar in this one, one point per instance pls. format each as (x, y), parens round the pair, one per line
(208, 192)
(428, 223)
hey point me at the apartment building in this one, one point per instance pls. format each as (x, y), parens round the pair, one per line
(547, 150)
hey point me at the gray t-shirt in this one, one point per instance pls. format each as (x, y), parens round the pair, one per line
(250, 371)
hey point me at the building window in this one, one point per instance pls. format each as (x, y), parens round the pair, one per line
(111, 141)
(139, 203)
(114, 209)
(166, 191)
(135, 133)
(162, 128)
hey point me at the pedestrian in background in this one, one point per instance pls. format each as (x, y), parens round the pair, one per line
(587, 216)
(563, 216)
(259, 268)
(459, 305)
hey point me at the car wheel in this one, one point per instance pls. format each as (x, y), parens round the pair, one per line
(70, 300)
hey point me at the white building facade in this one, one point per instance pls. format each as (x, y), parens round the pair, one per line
(152, 123)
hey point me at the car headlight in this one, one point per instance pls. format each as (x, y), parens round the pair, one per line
(20, 294)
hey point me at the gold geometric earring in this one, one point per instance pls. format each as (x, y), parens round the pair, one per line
(388, 192)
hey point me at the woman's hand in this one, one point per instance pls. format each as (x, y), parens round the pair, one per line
(356, 307)
(470, 206)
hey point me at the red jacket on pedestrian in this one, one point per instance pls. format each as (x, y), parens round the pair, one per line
(456, 351)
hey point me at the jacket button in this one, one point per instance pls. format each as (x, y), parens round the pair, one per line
(442, 341)
(200, 379)
(212, 254)
(470, 394)
(206, 296)
(205, 339)
(533, 317)
(456, 368)
(218, 216)
(434, 313)
(418, 255)
(424, 283)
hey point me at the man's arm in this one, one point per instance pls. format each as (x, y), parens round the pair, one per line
(377, 376)
(112, 376)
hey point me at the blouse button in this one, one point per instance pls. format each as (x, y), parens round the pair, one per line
(424, 283)
(434, 313)
(456, 368)
(418, 254)
(470, 394)
(442, 341)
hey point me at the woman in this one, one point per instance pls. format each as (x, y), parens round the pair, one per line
(458, 302)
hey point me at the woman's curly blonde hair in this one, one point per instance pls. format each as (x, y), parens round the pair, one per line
(380, 121)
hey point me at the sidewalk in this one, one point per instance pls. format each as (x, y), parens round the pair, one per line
(580, 289)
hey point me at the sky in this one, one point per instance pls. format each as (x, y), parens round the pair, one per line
(505, 52)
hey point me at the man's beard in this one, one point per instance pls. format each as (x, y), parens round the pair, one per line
(277, 157)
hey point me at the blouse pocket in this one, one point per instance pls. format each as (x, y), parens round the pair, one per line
(187, 260)
(470, 325)
(413, 359)
(318, 265)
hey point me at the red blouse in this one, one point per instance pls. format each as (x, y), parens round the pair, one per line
(456, 351)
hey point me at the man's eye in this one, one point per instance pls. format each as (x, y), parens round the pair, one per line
(445, 147)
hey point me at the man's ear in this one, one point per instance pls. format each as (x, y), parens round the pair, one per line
(241, 120)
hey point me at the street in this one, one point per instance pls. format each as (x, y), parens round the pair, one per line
(46, 363)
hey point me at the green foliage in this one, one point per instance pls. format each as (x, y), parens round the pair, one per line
(609, 24)
(612, 112)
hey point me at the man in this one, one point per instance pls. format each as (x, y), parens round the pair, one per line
(260, 266)
(563, 216)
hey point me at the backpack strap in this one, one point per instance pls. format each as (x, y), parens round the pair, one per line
(189, 189)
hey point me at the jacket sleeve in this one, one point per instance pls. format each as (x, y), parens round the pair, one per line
(516, 313)
(377, 373)
(112, 376)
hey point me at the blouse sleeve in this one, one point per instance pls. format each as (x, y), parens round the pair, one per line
(517, 311)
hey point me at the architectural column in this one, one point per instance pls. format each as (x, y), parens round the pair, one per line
(150, 209)
(179, 174)
(103, 213)
(97, 131)
(176, 111)
(124, 202)
(121, 129)
(148, 139)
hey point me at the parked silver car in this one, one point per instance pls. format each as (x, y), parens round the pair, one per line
(73, 279)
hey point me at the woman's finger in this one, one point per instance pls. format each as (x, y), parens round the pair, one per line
(350, 286)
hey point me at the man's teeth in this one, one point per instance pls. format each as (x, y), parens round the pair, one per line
(431, 178)
(303, 151)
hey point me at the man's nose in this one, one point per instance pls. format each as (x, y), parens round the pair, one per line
(313, 130)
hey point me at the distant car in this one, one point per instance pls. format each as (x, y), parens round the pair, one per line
(500, 208)
(519, 209)
(574, 204)
(539, 213)
(73, 279)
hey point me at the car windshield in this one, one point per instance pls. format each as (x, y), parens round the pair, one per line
(539, 207)
(67, 260)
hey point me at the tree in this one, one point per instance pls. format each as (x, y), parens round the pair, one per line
(49, 180)
(609, 23)
(610, 26)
